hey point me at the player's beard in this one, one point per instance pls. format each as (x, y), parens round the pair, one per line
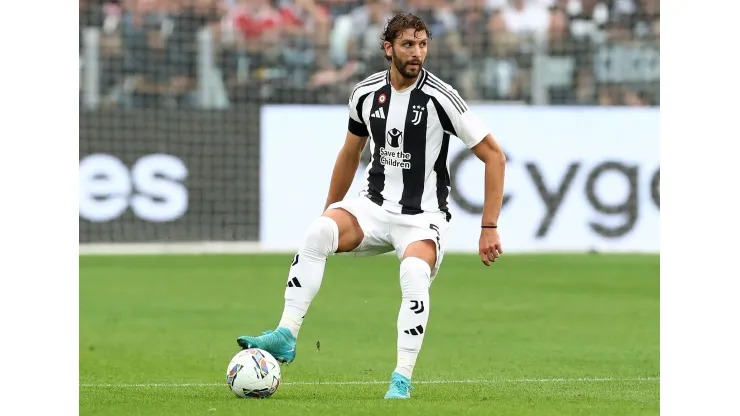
(403, 67)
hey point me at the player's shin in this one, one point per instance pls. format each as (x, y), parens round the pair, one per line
(414, 313)
(307, 271)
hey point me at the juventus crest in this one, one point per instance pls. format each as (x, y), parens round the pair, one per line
(418, 111)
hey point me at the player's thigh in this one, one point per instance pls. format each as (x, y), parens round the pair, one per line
(350, 232)
(368, 235)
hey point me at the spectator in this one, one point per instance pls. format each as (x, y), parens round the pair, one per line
(587, 19)
(569, 73)
(144, 28)
(525, 18)
(646, 17)
(314, 51)
(473, 17)
(502, 79)
(188, 18)
(340, 7)
(307, 28)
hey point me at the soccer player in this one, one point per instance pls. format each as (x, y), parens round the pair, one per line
(409, 116)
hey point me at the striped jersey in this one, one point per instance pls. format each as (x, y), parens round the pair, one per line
(409, 133)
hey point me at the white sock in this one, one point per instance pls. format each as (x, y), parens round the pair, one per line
(307, 271)
(414, 313)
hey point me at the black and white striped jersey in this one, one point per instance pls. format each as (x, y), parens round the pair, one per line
(409, 134)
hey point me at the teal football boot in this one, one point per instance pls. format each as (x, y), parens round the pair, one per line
(400, 387)
(280, 343)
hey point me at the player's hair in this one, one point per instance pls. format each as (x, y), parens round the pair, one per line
(398, 24)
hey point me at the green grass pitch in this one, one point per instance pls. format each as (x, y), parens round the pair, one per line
(531, 335)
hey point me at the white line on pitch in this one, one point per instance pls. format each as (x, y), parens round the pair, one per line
(348, 383)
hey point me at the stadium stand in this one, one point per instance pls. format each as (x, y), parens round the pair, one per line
(230, 53)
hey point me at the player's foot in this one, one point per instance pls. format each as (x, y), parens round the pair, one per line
(400, 387)
(280, 343)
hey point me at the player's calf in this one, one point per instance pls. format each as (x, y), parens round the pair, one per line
(414, 313)
(304, 281)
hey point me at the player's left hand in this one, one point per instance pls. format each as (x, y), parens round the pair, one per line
(489, 246)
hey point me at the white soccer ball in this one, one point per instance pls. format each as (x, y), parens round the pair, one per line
(253, 373)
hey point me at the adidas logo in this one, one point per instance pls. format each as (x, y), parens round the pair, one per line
(415, 331)
(417, 306)
(379, 113)
(293, 283)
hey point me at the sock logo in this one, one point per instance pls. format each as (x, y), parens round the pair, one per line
(293, 283)
(295, 260)
(414, 331)
(417, 306)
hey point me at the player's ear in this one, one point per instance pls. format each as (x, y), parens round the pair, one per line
(388, 49)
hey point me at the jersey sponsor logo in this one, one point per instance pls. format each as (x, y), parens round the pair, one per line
(395, 157)
(395, 137)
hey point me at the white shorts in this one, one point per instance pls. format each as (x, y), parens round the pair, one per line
(386, 231)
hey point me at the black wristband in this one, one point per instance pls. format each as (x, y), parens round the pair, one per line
(489, 226)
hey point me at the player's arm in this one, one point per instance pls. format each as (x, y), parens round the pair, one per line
(464, 124)
(345, 167)
(490, 153)
(349, 156)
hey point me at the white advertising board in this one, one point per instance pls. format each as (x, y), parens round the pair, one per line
(576, 179)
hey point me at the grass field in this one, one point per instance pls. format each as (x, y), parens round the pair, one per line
(531, 335)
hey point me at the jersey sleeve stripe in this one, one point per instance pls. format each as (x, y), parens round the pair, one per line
(368, 81)
(371, 79)
(448, 96)
(376, 82)
(358, 108)
(457, 97)
(456, 100)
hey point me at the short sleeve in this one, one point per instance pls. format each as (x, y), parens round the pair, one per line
(470, 129)
(355, 124)
(458, 119)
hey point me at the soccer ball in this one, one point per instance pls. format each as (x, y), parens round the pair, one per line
(253, 373)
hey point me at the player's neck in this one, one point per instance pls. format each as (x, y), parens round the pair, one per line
(399, 82)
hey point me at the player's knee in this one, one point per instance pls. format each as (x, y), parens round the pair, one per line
(322, 238)
(415, 277)
(423, 249)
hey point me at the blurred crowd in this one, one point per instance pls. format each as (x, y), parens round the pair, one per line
(575, 52)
